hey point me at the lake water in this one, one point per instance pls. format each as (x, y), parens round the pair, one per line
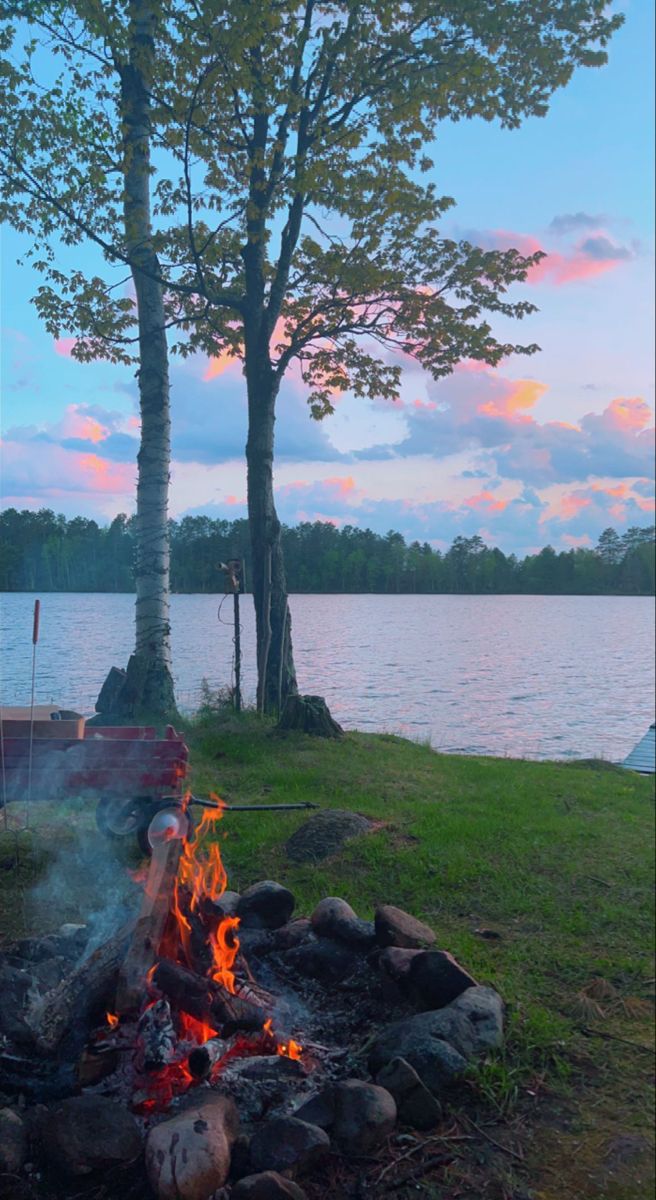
(525, 676)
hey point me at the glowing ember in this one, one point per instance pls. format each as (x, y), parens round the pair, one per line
(112, 1020)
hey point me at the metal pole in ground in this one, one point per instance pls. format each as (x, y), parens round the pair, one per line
(237, 655)
(35, 638)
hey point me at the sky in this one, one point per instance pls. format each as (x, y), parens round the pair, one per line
(548, 449)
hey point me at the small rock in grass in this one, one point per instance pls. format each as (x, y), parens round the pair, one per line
(285, 1143)
(325, 960)
(13, 1141)
(268, 1185)
(324, 834)
(416, 1105)
(434, 979)
(334, 918)
(265, 905)
(358, 1115)
(90, 1133)
(394, 927)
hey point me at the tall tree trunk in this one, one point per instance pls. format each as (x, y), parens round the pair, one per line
(276, 676)
(149, 682)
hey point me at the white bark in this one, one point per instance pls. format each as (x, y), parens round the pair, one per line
(153, 645)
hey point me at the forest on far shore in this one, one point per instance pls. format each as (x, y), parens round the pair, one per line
(40, 551)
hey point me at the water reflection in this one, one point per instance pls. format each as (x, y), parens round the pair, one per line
(534, 676)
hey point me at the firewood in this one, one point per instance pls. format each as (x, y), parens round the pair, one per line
(206, 1000)
(149, 929)
(157, 1035)
(202, 1058)
(64, 1011)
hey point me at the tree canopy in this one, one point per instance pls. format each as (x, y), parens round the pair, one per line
(42, 551)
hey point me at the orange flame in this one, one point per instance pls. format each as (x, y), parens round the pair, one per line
(192, 1030)
(290, 1049)
(203, 876)
(225, 947)
(112, 1020)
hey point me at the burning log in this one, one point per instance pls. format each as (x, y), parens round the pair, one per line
(155, 908)
(202, 1058)
(64, 1011)
(157, 1035)
(206, 1000)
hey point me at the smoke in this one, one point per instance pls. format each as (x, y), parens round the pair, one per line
(86, 883)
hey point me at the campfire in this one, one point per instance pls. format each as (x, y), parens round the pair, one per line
(217, 1039)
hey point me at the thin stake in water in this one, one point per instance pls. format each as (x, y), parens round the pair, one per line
(35, 638)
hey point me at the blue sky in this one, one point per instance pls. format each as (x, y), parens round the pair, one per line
(551, 448)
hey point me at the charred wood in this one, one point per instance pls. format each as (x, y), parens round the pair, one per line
(157, 1033)
(202, 1058)
(206, 1000)
(37, 1079)
(64, 1012)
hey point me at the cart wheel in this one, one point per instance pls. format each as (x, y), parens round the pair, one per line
(118, 818)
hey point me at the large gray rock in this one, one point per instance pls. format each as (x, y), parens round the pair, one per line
(334, 918)
(13, 1141)
(268, 1185)
(324, 834)
(365, 1115)
(288, 1144)
(357, 1115)
(439, 1044)
(394, 927)
(90, 1133)
(434, 979)
(265, 905)
(437, 1063)
(416, 1105)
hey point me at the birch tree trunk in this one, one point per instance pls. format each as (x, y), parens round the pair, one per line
(149, 684)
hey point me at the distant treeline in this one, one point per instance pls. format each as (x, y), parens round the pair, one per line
(43, 552)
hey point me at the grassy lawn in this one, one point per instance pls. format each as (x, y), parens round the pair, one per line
(557, 859)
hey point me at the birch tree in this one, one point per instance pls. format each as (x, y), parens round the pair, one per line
(75, 166)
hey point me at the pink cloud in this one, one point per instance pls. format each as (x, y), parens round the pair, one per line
(570, 505)
(628, 414)
(523, 393)
(64, 346)
(590, 257)
(486, 500)
(77, 423)
(343, 485)
(216, 366)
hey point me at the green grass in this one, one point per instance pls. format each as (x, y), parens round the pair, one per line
(557, 858)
